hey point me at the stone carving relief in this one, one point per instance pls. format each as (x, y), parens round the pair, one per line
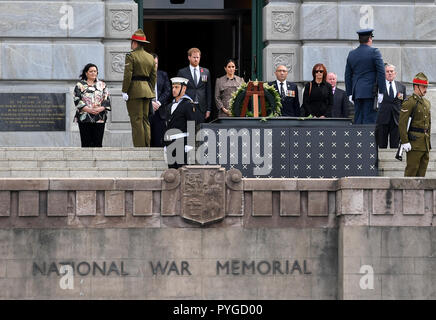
(286, 59)
(203, 193)
(283, 21)
(121, 20)
(117, 63)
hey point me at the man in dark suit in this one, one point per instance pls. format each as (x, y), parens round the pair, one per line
(181, 110)
(199, 85)
(389, 110)
(288, 92)
(157, 106)
(341, 105)
(364, 73)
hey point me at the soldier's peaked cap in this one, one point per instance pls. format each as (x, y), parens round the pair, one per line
(139, 36)
(179, 80)
(366, 32)
(420, 79)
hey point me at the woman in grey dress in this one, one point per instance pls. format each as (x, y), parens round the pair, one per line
(225, 86)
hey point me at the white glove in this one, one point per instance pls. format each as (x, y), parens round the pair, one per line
(125, 96)
(351, 99)
(380, 98)
(406, 147)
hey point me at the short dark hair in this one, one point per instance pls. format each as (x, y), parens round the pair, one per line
(85, 70)
(364, 39)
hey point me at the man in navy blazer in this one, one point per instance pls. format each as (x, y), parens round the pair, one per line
(157, 112)
(365, 72)
(288, 92)
(199, 85)
(389, 111)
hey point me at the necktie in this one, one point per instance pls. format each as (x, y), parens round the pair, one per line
(391, 90)
(195, 76)
(282, 91)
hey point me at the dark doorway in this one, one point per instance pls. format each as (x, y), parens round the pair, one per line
(219, 34)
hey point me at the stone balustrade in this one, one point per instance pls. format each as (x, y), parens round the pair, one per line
(251, 203)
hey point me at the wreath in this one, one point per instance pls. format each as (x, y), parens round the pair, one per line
(273, 103)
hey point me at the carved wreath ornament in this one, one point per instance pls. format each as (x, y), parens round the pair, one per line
(283, 60)
(120, 21)
(283, 21)
(118, 62)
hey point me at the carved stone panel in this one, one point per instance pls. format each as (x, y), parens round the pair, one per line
(287, 55)
(121, 20)
(203, 193)
(281, 22)
(115, 56)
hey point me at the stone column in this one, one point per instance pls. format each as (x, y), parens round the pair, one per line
(121, 23)
(44, 46)
(281, 34)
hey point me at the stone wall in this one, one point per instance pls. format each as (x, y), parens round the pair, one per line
(300, 34)
(348, 238)
(44, 46)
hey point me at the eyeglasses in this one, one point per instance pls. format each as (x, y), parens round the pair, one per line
(319, 71)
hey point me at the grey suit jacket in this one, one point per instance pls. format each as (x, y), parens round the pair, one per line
(202, 92)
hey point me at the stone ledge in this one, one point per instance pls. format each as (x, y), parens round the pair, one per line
(139, 202)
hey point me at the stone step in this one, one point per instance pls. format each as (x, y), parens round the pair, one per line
(71, 153)
(102, 163)
(388, 166)
(81, 162)
(82, 173)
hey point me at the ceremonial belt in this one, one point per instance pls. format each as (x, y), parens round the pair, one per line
(141, 78)
(418, 130)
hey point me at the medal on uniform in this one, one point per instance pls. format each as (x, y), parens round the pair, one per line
(204, 77)
(291, 93)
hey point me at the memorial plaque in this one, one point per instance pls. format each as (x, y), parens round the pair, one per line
(32, 111)
(203, 193)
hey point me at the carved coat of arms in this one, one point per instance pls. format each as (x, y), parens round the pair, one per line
(203, 193)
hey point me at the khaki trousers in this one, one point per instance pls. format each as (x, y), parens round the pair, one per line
(138, 113)
(417, 162)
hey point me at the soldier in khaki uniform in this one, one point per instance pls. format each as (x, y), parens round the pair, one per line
(416, 141)
(138, 88)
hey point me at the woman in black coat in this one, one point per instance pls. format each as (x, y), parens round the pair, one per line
(318, 94)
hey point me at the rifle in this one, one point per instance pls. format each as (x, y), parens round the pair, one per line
(399, 154)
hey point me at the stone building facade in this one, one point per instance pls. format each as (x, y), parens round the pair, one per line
(45, 44)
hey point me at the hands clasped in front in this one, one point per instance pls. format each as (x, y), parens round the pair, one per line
(95, 110)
